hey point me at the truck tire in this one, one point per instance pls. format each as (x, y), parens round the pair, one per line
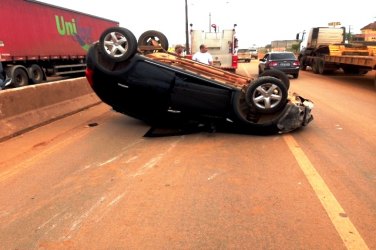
(315, 66)
(118, 44)
(277, 74)
(18, 75)
(321, 66)
(35, 73)
(148, 38)
(266, 95)
(302, 62)
(20, 78)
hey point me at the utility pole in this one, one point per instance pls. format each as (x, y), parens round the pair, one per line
(186, 28)
(349, 36)
(210, 26)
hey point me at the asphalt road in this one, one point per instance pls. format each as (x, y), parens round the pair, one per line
(92, 181)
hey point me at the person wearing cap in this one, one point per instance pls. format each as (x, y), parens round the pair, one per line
(179, 49)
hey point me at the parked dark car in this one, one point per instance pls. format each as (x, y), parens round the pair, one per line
(283, 61)
(139, 78)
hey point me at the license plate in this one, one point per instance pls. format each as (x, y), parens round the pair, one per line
(284, 64)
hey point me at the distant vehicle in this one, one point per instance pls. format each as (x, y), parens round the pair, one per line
(39, 40)
(139, 78)
(328, 51)
(283, 61)
(254, 53)
(244, 55)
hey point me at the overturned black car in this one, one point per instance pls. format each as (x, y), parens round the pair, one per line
(139, 78)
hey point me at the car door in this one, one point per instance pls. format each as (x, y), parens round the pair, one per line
(262, 63)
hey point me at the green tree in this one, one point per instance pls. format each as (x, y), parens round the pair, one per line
(296, 47)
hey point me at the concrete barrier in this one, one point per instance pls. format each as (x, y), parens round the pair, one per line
(25, 108)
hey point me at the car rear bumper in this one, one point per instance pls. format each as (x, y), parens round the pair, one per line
(291, 71)
(297, 114)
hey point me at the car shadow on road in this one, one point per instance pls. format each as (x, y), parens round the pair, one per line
(178, 128)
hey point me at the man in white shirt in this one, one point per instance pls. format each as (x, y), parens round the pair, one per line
(203, 55)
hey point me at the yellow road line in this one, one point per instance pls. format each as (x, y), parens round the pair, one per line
(243, 68)
(347, 231)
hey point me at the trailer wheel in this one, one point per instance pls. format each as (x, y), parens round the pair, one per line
(153, 38)
(118, 44)
(315, 66)
(303, 66)
(277, 74)
(321, 66)
(36, 74)
(19, 77)
(266, 94)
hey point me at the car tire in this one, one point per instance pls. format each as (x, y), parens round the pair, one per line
(118, 44)
(277, 74)
(149, 36)
(249, 122)
(266, 95)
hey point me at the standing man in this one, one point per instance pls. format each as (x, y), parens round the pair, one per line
(179, 50)
(203, 55)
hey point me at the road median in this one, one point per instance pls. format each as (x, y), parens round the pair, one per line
(25, 108)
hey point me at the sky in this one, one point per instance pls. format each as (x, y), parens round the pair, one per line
(258, 22)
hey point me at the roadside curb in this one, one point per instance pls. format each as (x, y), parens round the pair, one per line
(25, 108)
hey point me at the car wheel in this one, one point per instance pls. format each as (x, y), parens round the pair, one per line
(277, 74)
(296, 75)
(266, 94)
(118, 44)
(150, 37)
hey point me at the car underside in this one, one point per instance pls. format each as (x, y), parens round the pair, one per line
(142, 80)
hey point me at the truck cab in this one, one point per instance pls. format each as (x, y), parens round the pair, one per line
(328, 51)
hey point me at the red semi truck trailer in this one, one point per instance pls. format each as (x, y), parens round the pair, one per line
(39, 40)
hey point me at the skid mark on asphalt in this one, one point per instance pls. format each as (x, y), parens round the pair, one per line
(150, 164)
(154, 161)
(212, 176)
(114, 158)
(48, 221)
(347, 231)
(110, 160)
(76, 225)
